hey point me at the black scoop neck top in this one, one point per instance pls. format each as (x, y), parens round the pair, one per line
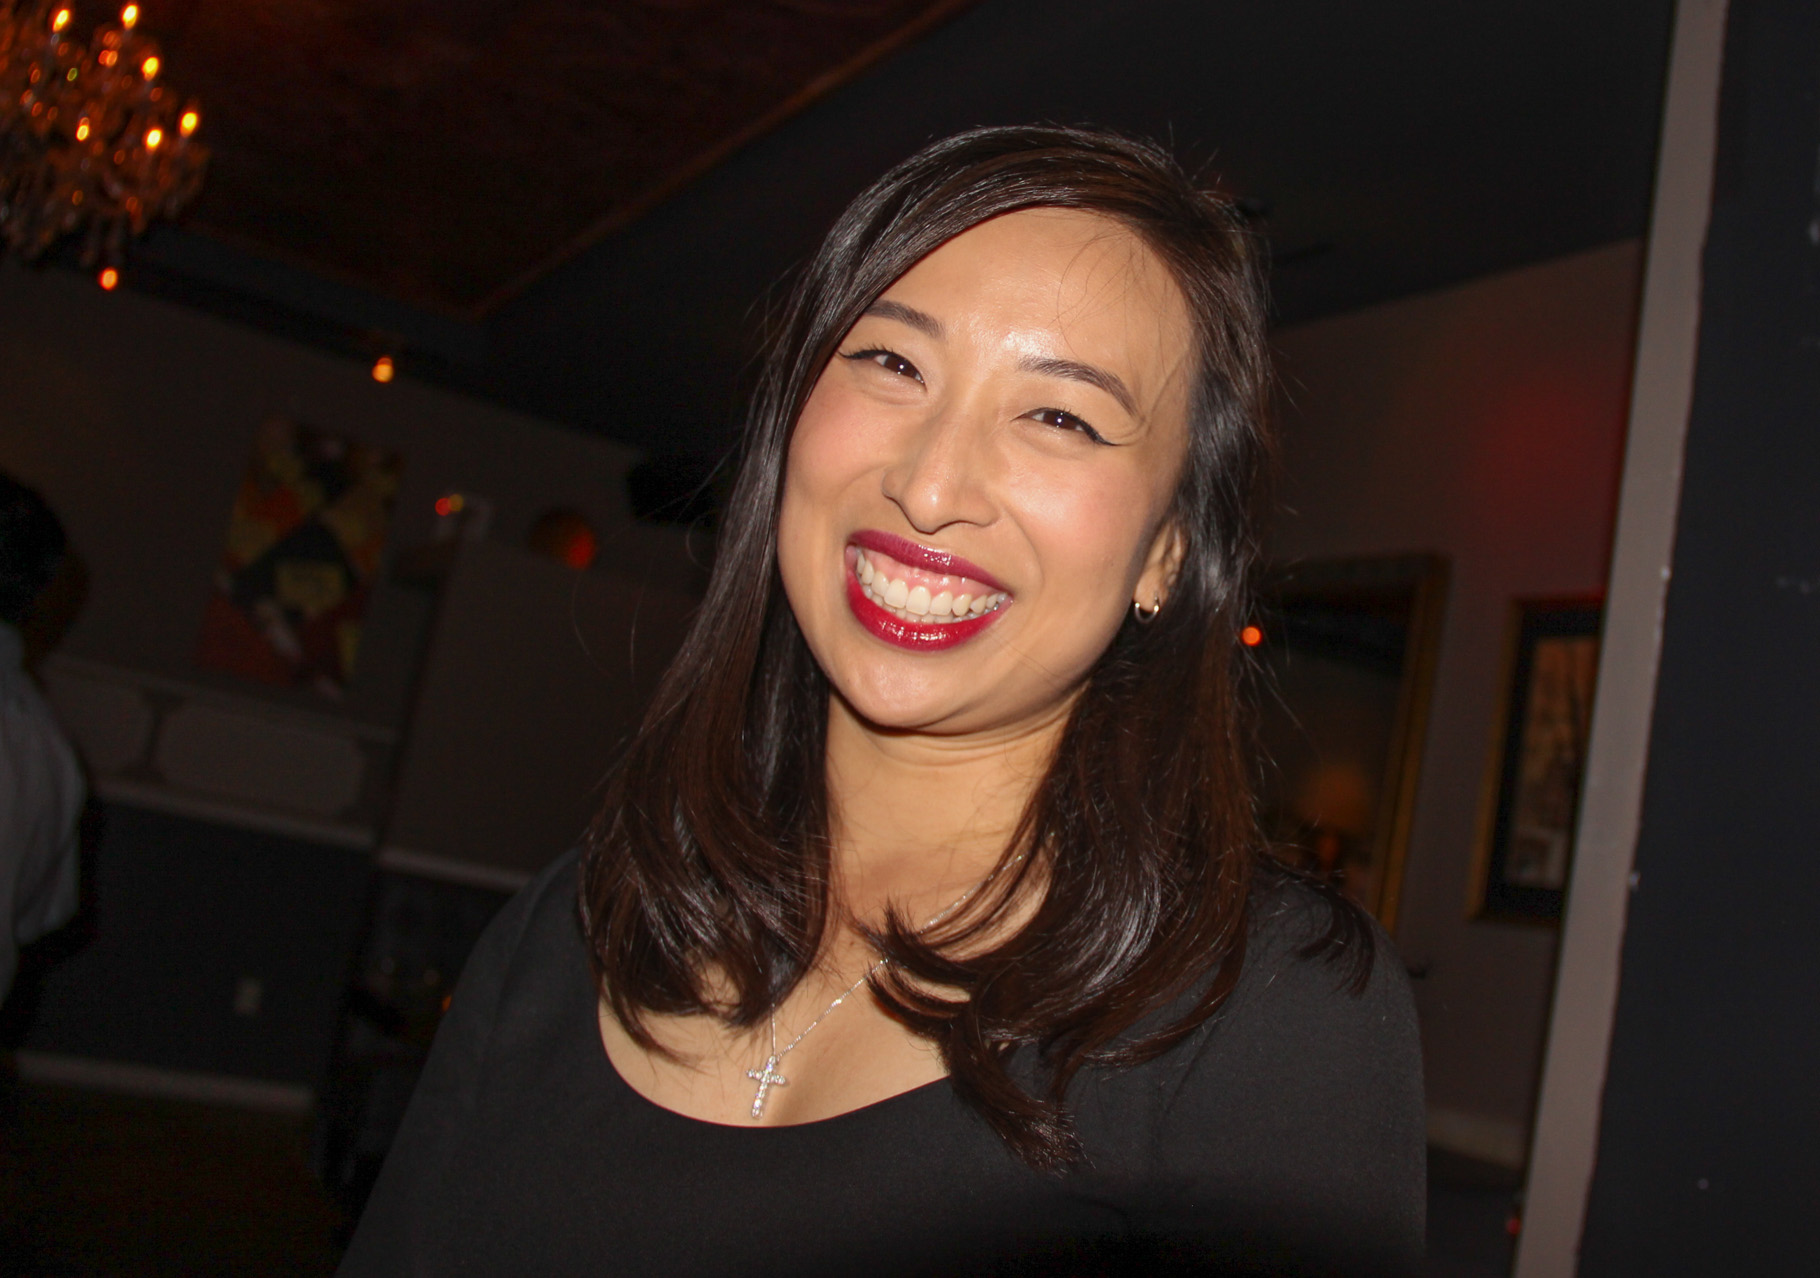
(1284, 1137)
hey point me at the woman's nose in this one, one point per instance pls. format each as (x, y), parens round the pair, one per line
(943, 472)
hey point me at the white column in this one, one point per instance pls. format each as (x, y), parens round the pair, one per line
(1565, 1141)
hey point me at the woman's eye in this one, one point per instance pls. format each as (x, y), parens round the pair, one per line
(890, 361)
(1062, 419)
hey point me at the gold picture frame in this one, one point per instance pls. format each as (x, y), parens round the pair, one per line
(1348, 649)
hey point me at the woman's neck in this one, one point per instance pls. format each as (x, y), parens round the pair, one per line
(918, 819)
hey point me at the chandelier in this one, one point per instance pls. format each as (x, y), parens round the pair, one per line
(90, 141)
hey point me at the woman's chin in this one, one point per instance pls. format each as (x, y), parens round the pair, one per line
(889, 710)
(885, 702)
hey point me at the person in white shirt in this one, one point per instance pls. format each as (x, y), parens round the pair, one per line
(41, 786)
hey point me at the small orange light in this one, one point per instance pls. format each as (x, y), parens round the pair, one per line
(60, 19)
(383, 369)
(150, 67)
(129, 15)
(1251, 636)
(82, 131)
(108, 279)
(449, 504)
(107, 57)
(187, 125)
(581, 548)
(153, 138)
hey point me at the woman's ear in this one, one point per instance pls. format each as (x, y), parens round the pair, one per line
(1160, 567)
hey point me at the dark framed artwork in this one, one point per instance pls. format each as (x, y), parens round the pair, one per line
(1531, 801)
(1348, 649)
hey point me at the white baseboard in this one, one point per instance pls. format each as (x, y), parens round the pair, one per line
(127, 1079)
(1490, 1140)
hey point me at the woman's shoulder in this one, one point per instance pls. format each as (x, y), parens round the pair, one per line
(1317, 966)
(1295, 921)
(1296, 1110)
(535, 931)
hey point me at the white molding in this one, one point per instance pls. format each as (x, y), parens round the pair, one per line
(1489, 1140)
(123, 1078)
(1592, 935)
(467, 873)
(182, 803)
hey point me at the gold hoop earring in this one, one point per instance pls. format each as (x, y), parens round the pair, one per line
(1144, 616)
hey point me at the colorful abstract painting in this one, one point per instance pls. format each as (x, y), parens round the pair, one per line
(303, 546)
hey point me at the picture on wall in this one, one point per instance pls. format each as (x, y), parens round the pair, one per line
(303, 546)
(1347, 649)
(1532, 789)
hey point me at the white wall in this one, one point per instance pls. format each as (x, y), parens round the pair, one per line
(1484, 422)
(136, 420)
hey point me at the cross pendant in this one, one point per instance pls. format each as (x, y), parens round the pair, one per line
(767, 1077)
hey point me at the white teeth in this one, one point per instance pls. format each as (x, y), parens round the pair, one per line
(916, 605)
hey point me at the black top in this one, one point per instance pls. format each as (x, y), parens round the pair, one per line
(1284, 1136)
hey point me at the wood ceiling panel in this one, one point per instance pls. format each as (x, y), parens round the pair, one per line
(446, 151)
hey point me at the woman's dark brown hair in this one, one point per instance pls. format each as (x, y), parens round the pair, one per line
(706, 886)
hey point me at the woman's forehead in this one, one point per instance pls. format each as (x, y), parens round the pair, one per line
(1052, 255)
(1058, 282)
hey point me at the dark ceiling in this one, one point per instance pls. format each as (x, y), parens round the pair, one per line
(445, 152)
(686, 166)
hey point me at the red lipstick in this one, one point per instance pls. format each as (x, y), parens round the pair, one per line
(905, 634)
(915, 556)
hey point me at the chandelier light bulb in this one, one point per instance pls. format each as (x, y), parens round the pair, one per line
(153, 139)
(60, 19)
(187, 125)
(108, 279)
(82, 130)
(383, 369)
(150, 67)
(129, 15)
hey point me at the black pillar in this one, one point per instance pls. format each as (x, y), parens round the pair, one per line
(1709, 1143)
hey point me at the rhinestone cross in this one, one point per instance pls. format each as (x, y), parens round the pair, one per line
(767, 1077)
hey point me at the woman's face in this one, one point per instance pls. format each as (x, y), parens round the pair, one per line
(977, 487)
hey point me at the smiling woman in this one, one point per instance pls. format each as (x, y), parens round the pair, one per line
(926, 926)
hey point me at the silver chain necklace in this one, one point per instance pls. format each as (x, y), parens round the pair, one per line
(766, 1075)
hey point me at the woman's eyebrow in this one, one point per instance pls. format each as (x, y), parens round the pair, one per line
(919, 320)
(1075, 371)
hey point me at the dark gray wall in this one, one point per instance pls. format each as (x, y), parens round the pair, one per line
(179, 913)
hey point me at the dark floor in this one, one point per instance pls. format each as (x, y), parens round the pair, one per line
(97, 1184)
(1470, 1205)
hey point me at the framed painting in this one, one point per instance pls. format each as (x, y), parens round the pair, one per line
(1531, 799)
(304, 540)
(1347, 650)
